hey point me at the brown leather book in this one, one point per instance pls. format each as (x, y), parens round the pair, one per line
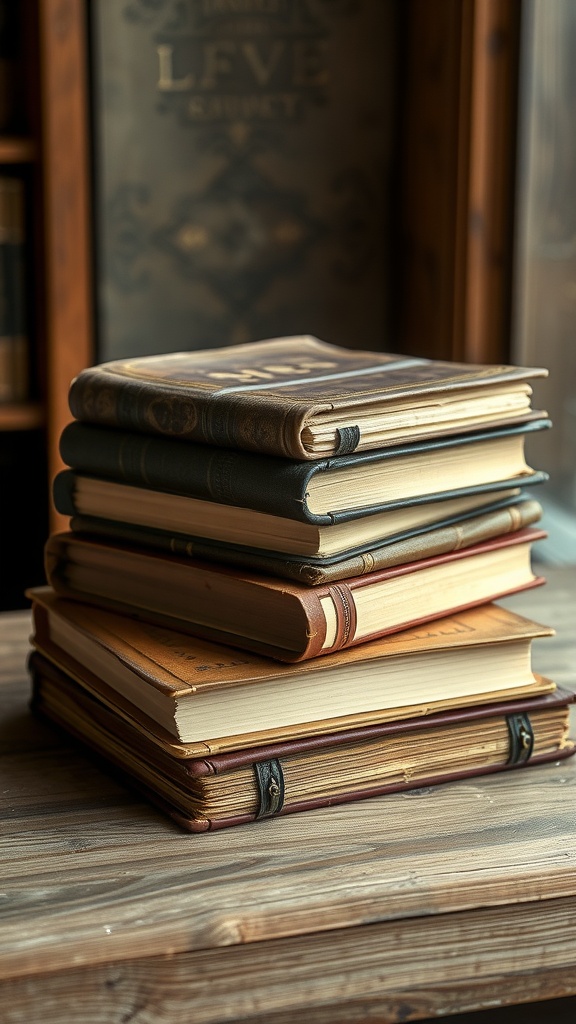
(192, 697)
(300, 397)
(273, 616)
(217, 791)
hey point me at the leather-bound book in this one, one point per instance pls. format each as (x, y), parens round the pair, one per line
(211, 790)
(300, 398)
(273, 616)
(296, 559)
(209, 697)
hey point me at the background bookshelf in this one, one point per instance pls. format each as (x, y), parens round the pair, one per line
(43, 144)
(445, 285)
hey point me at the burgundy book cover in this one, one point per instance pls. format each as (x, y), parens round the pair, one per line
(154, 772)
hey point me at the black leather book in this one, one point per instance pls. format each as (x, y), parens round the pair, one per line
(324, 491)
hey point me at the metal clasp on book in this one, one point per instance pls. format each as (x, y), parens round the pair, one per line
(521, 738)
(270, 780)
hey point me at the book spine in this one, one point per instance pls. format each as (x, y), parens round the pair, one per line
(246, 480)
(63, 493)
(13, 336)
(190, 413)
(63, 550)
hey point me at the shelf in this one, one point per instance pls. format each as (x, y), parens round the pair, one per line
(21, 416)
(15, 150)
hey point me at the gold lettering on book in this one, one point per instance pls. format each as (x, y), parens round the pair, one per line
(246, 61)
(227, 58)
(247, 108)
(166, 80)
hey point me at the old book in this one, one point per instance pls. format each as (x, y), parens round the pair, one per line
(194, 518)
(286, 620)
(300, 398)
(14, 370)
(211, 698)
(506, 516)
(325, 491)
(217, 791)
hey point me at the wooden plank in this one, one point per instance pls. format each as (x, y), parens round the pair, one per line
(381, 973)
(15, 150)
(483, 264)
(456, 187)
(21, 416)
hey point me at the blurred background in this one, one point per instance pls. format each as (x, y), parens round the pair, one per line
(395, 175)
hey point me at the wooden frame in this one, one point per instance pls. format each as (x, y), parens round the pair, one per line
(68, 341)
(457, 188)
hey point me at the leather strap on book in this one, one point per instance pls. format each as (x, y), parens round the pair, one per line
(270, 779)
(521, 738)
(345, 613)
(348, 438)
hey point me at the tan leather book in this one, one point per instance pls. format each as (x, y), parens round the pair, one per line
(273, 616)
(217, 791)
(193, 697)
(300, 397)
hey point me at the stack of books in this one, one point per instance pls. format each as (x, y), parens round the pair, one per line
(277, 588)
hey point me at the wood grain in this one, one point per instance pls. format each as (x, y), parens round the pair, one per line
(375, 973)
(68, 321)
(455, 199)
(398, 907)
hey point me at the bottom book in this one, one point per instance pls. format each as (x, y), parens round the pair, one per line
(218, 791)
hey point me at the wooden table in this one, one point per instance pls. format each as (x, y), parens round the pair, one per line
(398, 908)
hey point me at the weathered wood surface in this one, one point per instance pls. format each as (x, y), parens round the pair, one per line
(333, 915)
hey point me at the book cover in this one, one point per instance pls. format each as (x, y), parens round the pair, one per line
(193, 697)
(240, 213)
(276, 617)
(258, 783)
(323, 491)
(299, 397)
(504, 517)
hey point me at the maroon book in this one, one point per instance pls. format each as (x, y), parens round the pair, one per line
(220, 790)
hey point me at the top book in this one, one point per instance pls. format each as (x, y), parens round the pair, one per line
(300, 398)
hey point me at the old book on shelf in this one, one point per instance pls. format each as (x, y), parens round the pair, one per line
(209, 698)
(459, 532)
(220, 790)
(286, 620)
(14, 370)
(300, 398)
(324, 491)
